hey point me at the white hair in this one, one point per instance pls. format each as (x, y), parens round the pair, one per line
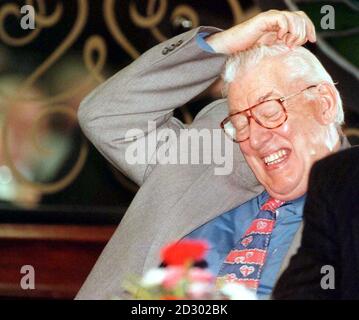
(301, 61)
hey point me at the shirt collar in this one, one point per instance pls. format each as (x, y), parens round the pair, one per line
(293, 206)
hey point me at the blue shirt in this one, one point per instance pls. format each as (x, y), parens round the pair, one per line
(223, 232)
(202, 43)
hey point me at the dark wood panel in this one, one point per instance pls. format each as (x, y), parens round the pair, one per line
(62, 257)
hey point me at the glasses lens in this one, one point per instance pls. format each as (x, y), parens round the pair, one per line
(237, 127)
(269, 113)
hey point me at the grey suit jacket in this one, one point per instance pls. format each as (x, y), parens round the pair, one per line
(173, 199)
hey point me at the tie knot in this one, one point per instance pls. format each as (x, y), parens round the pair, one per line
(272, 204)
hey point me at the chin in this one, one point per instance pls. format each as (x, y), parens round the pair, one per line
(288, 193)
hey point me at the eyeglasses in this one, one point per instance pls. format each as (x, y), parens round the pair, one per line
(269, 114)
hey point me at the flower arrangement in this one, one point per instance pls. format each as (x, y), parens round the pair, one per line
(180, 278)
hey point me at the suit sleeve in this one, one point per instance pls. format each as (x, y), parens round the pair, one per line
(116, 114)
(304, 277)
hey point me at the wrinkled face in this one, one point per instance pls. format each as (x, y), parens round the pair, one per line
(281, 158)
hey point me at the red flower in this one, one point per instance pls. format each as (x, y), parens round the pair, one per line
(185, 251)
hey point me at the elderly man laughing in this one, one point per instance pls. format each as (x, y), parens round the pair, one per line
(282, 110)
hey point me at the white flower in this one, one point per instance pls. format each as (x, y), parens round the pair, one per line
(153, 277)
(199, 289)
(235, 291)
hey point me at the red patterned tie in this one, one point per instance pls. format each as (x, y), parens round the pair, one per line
(244, 263)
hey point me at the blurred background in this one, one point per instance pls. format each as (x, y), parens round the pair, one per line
(60, 200)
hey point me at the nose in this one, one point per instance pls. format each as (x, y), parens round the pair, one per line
(258, 135)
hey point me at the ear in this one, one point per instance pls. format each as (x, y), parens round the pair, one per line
(327, 103)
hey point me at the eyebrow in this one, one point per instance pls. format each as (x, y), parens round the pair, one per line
(259, 100)
(264, 97)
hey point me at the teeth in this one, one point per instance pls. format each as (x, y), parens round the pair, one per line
(275, 157)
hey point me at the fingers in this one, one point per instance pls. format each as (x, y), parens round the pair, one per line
(267, 28)
(283, 26)
(301, 33)
(310, 29)
(293, 30)
(300, 29)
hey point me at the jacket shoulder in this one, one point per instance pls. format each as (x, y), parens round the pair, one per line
(211, 115)
(340, 163)
(336, 177)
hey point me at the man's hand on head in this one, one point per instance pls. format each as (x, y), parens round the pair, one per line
(267, 28)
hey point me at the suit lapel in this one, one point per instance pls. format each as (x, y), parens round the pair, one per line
(298, 236)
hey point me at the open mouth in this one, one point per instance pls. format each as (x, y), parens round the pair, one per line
(274, 159)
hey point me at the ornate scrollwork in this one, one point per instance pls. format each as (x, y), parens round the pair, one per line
(42, 21)
(95, 45)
